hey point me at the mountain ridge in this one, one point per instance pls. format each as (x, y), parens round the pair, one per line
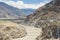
(7, 11)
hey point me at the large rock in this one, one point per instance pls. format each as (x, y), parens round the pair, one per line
(11, 30)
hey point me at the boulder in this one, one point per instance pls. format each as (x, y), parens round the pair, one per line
(12, 31)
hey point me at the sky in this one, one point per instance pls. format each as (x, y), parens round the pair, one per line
(24, 4)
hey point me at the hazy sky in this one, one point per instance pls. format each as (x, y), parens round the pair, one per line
(23, 4)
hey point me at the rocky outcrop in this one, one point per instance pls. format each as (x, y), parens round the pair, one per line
(9, 31)
(50, 30)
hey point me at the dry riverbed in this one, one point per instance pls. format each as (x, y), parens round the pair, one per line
(32, 33)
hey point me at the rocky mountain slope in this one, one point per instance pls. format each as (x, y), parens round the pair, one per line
(50, 11)
(7, 11)
(47, 18)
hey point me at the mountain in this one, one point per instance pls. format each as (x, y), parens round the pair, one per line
(49, 12)
(28, 11)
(47, 18)
(7, 11)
